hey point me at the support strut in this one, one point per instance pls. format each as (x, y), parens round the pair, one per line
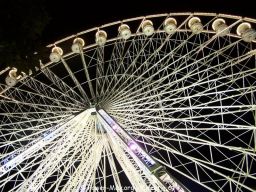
(156, 169)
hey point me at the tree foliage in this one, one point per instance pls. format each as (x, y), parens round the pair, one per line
(22, 24)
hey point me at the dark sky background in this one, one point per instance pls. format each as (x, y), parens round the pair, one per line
(29, 25)
(77, 15)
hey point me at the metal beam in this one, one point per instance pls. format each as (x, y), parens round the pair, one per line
(148, 163)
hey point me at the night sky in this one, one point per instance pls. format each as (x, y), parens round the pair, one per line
(28, 26)
(77, 15)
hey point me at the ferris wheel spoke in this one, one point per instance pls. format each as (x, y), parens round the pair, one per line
(217, 147)
(141, 50)
(73, 77)
(197, 143)
(91, 180)
(45, 105)
(197, 117)
(27, 121)
(100, 70)
(64, 87)
(26, 155)
(202, 136)
(84, 169)
(9, 102)
(184, 56)
(246, 90)
(206, 165)
(41, 88)
(250, 107)
(216, 113)
(20, 118)
(113, 70)
(20, 173)
(83, 150)
(205, 92)
(175, 109)
(121, 64)
(70, 167)
(86, 71)
(25, 95)
(215, 97)
(187, 172)
(167, 119)
(131, 169)
(238, 133)
(26, 151)
(232, 79)
(113, 168)
(75, 183)
(190, 177)
(57, 153)
(21, 135)
(133, 65)
(203, 71)
(233, 61)
(80, 149)
(40, 128)
(205, 112)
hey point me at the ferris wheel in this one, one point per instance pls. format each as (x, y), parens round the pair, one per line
(155, 103)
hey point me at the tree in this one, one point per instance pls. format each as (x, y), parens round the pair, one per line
(22, 24)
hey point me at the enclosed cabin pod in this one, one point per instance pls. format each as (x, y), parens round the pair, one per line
(12, 77)
(37, 68)
(101, 37)
(147, 27)
(195, 25)
(30, 72)
(220, 27)
(124, 31)
(56, 54)
(77, 45)
(23, 74)
(245, 31)
(170, 25)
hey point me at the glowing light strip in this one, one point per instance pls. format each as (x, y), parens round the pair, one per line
(156, 169)
(137, 150)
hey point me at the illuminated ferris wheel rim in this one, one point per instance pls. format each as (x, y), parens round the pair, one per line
(166, 15)
(183, 26)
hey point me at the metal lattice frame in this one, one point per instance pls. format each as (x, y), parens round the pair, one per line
(188, 99)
